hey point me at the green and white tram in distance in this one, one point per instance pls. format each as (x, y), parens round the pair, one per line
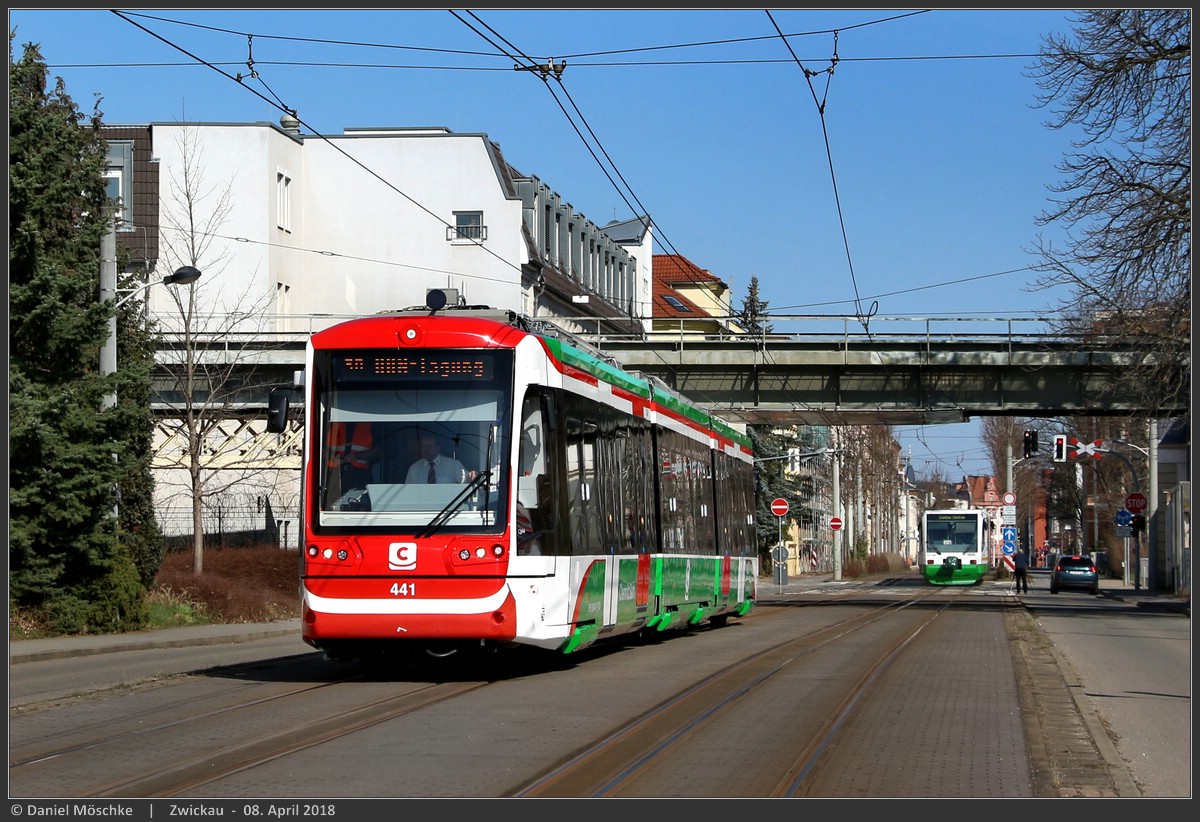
(953, 551)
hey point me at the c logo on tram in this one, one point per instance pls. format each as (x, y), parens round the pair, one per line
(402, 556)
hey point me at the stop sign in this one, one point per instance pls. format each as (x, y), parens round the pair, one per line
(835, 523)
(779, 507)
(1135, 503)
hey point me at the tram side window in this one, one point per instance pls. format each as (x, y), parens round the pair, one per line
(706, 521)
(581, 438)
(730, 504)
(744, 506)
(686, 477)
(637, 482)
(609, 489)
(535, 513)
(672, 515)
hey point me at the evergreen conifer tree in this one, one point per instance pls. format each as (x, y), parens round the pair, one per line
(66, 562)
(753, 316)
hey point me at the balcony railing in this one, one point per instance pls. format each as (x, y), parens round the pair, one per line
(466, 233)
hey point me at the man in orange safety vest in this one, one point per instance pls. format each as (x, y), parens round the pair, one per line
(349, 458)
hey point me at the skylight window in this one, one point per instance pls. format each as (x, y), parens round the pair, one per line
(675, 303)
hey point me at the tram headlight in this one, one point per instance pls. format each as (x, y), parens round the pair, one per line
(481, 552)
(464, 554)
(342, 554)
(497, 550)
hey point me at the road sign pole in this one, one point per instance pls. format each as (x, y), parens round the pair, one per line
(779, 507)
(780, 575)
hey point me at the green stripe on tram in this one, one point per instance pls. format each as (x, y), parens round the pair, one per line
(730, 432)
(681, 406)
(597, 368)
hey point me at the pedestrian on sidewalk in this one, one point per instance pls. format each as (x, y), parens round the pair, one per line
(1021, 571)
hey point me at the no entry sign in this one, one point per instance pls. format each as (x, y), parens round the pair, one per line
(835, 523)
(779, 507)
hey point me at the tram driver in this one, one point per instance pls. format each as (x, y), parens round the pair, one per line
(436, 467)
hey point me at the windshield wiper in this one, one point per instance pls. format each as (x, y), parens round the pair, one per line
(443, 516)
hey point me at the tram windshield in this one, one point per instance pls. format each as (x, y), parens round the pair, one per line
(951, 534)
(412, 442)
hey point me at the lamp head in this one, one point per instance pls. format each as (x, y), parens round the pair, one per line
(182, 276)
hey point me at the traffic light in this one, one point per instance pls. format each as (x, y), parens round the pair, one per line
(1031, 443)
(1137, 523)
(1060, 447)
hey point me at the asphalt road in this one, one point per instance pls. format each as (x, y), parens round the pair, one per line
(1125, 655)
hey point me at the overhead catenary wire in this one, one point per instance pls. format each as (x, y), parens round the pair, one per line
(864, 317)
(545, 77)
(292, 112)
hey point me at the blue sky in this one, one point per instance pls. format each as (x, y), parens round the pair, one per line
(905, 183)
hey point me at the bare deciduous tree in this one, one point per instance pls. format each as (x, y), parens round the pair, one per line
(210, 451)
(1124, 79)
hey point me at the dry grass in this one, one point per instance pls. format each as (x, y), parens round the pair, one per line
(236, 585)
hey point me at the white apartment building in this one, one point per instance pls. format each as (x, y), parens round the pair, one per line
(293, 233)
(368, 220)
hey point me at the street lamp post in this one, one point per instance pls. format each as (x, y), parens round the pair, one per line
(1151, 538)
(108, 291)
(108, 354)
(182, 276)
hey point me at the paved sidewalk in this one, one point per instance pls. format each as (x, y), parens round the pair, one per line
(1039, 583)
(33, 650)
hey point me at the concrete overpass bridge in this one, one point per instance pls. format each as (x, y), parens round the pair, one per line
(901, 377)
(902, 371)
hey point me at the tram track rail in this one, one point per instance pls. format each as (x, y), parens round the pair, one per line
(803, 697)
(191, 751)
(636, 750)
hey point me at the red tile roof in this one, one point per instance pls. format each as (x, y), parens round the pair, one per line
(668, 270)
(675, 268)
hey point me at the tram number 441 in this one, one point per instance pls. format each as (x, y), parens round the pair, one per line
(403, 589)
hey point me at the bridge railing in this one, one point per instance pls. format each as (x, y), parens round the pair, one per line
(290, 330)
(816, 328)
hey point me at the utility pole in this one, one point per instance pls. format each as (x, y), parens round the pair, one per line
(1008, 463)
(1152, 581)
(837, 512)
(108, 352)
(1079, 513)
(108, 291)
(1151, 534)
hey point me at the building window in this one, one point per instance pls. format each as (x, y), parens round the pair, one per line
(283, 201)
(468, 226)
(675, 303)
(118, 173)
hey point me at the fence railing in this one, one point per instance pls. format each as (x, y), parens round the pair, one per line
(285, 329)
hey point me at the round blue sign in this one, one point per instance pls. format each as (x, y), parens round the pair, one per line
(1009, 548)
(1124, 517)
